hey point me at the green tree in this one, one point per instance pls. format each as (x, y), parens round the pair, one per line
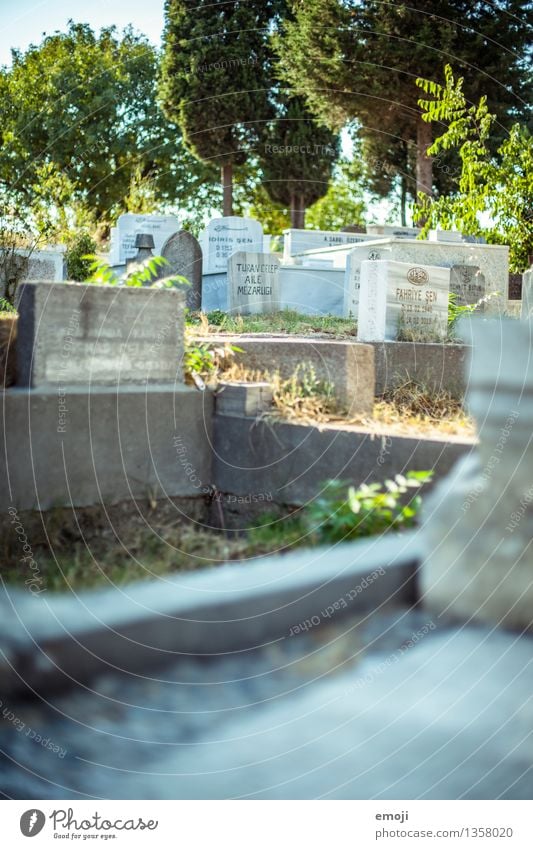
(297, 158)
(358, 59)
(343, 203)
(489, 187)
(216, 79)
(80, 127)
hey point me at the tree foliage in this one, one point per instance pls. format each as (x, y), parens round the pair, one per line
(495, 187)
(217, 75)
(80, 126)
(297, 158)
(359, 59)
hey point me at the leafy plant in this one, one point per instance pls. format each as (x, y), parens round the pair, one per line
(77, 257)
(343, 512)
(495, 187)
(204, 361)
(7, 306)
(141, 274)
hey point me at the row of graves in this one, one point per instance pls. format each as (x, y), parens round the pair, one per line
(231, 268)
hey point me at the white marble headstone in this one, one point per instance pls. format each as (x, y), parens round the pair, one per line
(298, 241)
(224, 236)
(129, 225)
(445, 236)
(527, 295)
(395, 230)
(352, 277)
(253, 283)
(396, 295)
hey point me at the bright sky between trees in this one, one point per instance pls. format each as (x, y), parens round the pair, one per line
(23, 22)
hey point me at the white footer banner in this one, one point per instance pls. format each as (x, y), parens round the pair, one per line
(268, 824)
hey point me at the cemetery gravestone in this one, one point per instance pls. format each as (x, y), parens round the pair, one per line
(298, 241)
(445, 236)
(467, 284)
(352, 278)
(184, 256)
(398, 296)
(23, 266)
(253, 283)
(527, 294)
(224, 236)
(397, 231)
(82, 334)
(161, 227)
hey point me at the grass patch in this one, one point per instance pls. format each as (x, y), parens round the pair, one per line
(287, 322)
(69, 554)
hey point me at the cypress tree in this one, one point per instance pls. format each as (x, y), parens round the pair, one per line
(297, 159)
(216, 79)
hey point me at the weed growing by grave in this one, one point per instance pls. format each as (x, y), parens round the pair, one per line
(145, 273)
(7, 307)
(203, 361)
(82, 549)
(343, 512)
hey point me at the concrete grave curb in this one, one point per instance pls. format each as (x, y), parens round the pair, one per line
(57, 641)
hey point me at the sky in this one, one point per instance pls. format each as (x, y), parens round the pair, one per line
(23, 22)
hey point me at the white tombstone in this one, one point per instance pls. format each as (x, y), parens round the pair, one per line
(253, 283)
(395, 230)
(30, 266)
(129, 225)
(224, 236)
(527, 295)
(398, 296)
(445, 236)
(352, 275)
(298, 241)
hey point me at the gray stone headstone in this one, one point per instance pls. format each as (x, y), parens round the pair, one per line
(467, 283)
(253, 283)
(184, 256)
(78, 334)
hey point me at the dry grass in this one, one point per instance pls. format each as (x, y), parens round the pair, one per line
(406, 409)
(410, 407)
(301, 397)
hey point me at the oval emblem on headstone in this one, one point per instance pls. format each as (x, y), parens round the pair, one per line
(374, 255)
(418, 276)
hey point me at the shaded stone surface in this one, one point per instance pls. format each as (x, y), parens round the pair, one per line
(407, 711)
(479, 521)
(91, 446)
(184, 256)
